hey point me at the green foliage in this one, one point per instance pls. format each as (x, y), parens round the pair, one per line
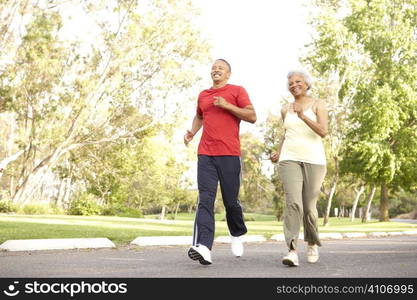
(249, 219)
(256, 191)
(37, 209)
(370, 48)
(272, 133)
(382, 117)
(402, 203)
(245, 218)
(121, 211)
(84, 205)
(142, 174)
(7, 207)
(70, 96)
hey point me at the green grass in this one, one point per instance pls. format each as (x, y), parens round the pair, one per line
(123, 230)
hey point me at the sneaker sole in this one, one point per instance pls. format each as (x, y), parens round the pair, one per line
(289, 262)
(194, 255)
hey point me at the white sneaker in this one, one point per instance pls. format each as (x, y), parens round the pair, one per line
(312, 254)
(291, 259)
(200, 253)
(237, 246)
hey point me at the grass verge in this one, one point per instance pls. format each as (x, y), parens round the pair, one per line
(123, 230)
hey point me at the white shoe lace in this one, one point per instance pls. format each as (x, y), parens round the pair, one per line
(312, 251)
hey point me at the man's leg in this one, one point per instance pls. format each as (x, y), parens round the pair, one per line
(228, 168)
(207, 187)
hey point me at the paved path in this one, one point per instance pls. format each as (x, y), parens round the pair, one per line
(411, 221)
(367, 257)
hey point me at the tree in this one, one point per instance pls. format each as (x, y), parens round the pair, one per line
(359, 191)
(256, 191)
(272, 131)
(338, 62)
(68, 94)
(383, 142)
(366, 214)
(370, 48)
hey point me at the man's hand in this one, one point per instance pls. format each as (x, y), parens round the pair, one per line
(274, 156)
(188, 137)
(220, 102)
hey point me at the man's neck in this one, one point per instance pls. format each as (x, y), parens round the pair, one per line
(217, 85)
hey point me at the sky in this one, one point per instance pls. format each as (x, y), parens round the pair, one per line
(262, 40)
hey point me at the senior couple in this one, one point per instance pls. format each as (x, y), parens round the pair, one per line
(300, 154)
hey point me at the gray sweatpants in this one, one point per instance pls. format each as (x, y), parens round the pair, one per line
(301, 182)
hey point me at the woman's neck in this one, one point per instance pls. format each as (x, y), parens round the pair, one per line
(302, 99)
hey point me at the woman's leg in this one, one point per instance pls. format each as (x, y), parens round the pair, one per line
(313, 176)
(292, 179)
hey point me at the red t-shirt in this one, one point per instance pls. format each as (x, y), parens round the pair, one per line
(220, 127)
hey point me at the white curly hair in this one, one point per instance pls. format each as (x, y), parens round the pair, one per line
(304, 74)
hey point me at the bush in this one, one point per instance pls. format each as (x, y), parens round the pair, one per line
(402, 204)
(245, 218)
(85, 205)
(40, 209)
(35, 209)
(249, 219)
(122, 211)
(7, 206)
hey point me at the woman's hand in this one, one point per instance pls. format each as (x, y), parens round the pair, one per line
(298, 109)
(274, 156)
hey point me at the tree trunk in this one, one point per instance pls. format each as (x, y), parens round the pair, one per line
(12, 185)
(368, 204)
(162, 216)
(61, 192)
(332, 192)
(355, 203)
(67, 193)
(8, 160)
(176, 210)
(329, 204)
(30, 186)
(384, 204)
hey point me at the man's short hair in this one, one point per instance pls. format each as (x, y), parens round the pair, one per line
(227, 63)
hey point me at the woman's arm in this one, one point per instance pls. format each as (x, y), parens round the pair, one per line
(321, 126)
(275, 155)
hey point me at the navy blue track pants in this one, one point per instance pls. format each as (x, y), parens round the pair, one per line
(212, 170)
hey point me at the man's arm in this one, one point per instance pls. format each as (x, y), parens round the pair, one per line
(195, 127)
(247, 113)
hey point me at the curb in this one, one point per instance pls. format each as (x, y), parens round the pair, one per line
(331, 236)
(162, 240)
(56, 244)
(245, 238)
(350, 235)
(83, 243)
(187, 240)
(410, 232)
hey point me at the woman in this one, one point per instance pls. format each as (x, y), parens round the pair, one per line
(302, 165)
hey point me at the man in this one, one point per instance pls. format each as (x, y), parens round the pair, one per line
(219, 112)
